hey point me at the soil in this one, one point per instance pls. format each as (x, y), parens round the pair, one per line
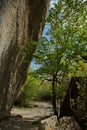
(27, 118)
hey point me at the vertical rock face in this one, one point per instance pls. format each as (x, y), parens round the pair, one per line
(20, 21)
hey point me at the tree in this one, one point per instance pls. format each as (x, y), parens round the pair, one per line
(21, 22)
(60, 57)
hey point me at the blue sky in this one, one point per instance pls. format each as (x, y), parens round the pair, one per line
(45, 30)
(52, 1)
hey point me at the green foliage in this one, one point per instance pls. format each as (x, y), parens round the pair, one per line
(30, 91)
(45, 91)
(68, 40)
(34, 90)
(80, 101)
(28, 50)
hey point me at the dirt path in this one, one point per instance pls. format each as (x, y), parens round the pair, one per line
(29, 117)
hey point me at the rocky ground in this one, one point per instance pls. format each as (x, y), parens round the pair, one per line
(27, 118)
(37, 118)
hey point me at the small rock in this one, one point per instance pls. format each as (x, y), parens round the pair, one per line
(48, 123)
(66, 123)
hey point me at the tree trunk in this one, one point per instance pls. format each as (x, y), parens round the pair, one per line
(86, 94)
(20, 21)
(54, 96)
(72, 92)
(85, 83)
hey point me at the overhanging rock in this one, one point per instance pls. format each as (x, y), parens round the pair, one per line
(21, 21)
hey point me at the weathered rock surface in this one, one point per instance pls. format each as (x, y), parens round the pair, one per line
(66, 123)
(21, 21)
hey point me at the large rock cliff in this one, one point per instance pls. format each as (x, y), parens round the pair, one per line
(21, 22)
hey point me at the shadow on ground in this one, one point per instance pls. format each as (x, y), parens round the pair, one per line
(16, 123)
(26, 118)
